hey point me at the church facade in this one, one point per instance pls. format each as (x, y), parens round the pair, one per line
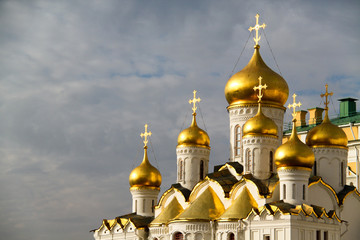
(273, 187)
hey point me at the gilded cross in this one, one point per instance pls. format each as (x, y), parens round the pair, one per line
(145, 135)
(194, 101)
(256, 28)
(326, 94)
(294, 105)
(260, 87)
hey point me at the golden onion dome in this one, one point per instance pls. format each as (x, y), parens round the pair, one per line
(194, 136)
(239, 88)
(326, 134)
(145, 175)
(294, 153)
(260, 125)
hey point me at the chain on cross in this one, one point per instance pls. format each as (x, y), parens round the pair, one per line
(260, 87)
(326, 94)
(145, 135)
(194, 101)
(256, 28)
(294, 105)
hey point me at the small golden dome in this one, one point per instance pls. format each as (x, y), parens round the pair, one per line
(194, 136)
(239, 88)
(260, 125)
(326, 134)
(294, 153)
(145, 175)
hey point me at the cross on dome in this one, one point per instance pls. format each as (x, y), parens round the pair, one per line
(256, 28)
(194, 101)
(260, 87)
(145, 135)
(326, 94)
(294, 105)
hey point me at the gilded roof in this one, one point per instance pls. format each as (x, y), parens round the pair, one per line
(225, 179)
(205, 207)
(240, 207)
(193, 136)
(137, 220)
(173, 209)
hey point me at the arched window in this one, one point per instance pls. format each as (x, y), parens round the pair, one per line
(293, 191)
(231, 236)
(237, 140)
(178, 236)
(284, 191)
(152, 205)
(248, 160)
(201, 170)
(180, 170)
(342, 174)
(304, 192)
(271, 161)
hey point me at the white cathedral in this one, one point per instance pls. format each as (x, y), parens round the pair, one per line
(271, 189)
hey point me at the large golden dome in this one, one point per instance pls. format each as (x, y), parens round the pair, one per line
(260, 125)
(194, 136)
(294, 153)
(145, 175)
(239, 88)
(326, 134)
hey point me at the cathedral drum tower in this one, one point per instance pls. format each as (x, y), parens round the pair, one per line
(243, 100)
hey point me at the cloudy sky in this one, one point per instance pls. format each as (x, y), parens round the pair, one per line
(79, 79)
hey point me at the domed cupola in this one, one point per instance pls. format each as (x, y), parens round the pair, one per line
(260, 125)
(145, 181)
(239, 88)
(294, 153)
(145, 175)
(294, 161)
(326, 134)
(193, 135)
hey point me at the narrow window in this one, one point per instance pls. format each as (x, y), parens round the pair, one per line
(304, 192)
(178, 236)
(143, 207)
(266, 237)
(318, 235)
(271, 162)
(315, 169)
(293, 191)
(201, 170)
(326, 235)
(136, 206)
(284, 191)
(248, 159)
(342, 173)
(237, 140)
(180, 169)
(152, 205)
(231, 236)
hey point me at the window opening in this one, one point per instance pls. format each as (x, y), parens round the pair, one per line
(201, 170)
(237, 140)
(178, 236)
(271, 161)
(284, 191)
(231, 236)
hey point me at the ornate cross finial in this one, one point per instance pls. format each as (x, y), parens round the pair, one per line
(194, 101)
(256, 28)
(294, 105)
(145, 135)
(326, 94)
(260, 87)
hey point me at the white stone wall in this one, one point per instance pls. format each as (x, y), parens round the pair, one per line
(256, 155)
(239, 116)
(188, 165)
(331, 164)
(144, 200)
(294, 185)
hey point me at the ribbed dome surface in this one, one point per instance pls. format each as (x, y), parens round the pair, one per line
(194, 136)
(294, 153)
(260, 125)
(326, 134)
(239, 88)
(145, 175)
